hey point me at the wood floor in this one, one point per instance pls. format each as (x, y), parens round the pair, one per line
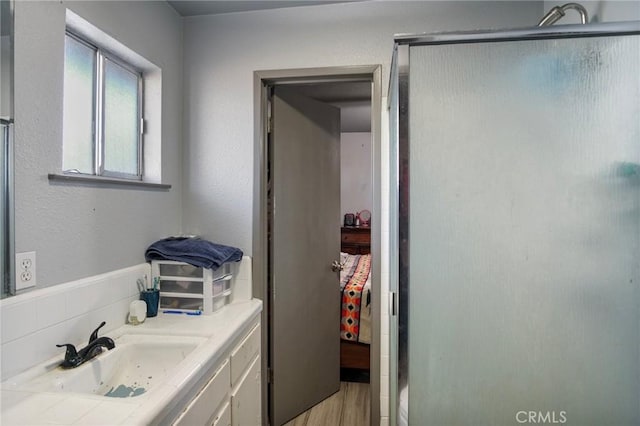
(348, 407)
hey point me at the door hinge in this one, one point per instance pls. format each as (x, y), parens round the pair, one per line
(392, 308)
(269, 375)
(269, 117)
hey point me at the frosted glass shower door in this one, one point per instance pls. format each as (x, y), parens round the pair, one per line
(524, 232)
(4, 140)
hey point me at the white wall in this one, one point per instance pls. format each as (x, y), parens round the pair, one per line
(81, 230)
(222, 52)
(600, 11)
(355, 172)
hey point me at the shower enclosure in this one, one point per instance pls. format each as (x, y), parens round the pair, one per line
(516, 214)
(6, 148)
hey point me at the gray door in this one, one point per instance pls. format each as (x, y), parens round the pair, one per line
(305, 239)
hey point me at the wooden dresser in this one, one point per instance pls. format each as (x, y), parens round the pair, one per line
(356, 239)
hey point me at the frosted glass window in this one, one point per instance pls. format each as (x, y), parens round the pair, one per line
(121, 121)
(78, 109)
(102, 113)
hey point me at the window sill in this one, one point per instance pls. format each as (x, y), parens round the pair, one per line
(105, 182)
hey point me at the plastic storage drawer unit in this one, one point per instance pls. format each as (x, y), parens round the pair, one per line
(191, 289)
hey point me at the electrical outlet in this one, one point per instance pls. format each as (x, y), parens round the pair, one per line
(25, 270)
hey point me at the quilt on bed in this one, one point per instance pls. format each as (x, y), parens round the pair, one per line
(355, 286)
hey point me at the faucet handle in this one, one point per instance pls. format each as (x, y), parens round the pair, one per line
(94, 335)
(71, 357)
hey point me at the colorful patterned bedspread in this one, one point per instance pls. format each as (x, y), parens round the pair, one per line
(356, 294)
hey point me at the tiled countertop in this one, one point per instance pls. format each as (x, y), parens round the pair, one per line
(19, 407)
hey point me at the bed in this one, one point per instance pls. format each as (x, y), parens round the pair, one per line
(355, 285)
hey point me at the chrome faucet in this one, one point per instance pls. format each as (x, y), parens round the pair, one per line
(74, 358)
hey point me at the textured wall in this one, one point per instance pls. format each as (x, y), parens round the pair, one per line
(355, 173)
(599, 11)
(79, 230)
(222, 52)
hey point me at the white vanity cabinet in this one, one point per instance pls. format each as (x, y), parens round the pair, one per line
(245, 381)
(232, 395)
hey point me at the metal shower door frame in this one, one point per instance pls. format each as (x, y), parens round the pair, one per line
(400, 69)
(8, 220)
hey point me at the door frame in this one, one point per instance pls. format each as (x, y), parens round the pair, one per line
(262, 81)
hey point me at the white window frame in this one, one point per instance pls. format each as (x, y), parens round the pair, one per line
(101, 56)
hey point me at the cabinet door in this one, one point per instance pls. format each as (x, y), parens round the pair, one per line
(244, 353)
(245, 398)
(224, 416)
(201, 408)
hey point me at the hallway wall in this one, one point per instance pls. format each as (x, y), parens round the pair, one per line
(221, 52)
(355, 172)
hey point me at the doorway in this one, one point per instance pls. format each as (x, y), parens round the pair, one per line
(330, 85)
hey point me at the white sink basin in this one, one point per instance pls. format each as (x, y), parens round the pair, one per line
(133, 367)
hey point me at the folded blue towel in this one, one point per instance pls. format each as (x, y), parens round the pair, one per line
(194, 251)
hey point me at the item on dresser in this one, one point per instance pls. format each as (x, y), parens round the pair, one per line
(192, 289)
(365, 218)
(194, 251)
(349, 219)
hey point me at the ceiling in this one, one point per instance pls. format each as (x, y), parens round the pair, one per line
(353, 99)
(217, 7)
(337, 92)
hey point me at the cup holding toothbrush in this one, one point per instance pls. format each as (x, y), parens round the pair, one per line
(152, 298)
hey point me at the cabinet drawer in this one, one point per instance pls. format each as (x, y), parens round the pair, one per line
(356, 235)
(192, 287)
(175, 269)
(223, 418)
(202, 407)
(167, 268)
(356, 238)
(244, 353)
